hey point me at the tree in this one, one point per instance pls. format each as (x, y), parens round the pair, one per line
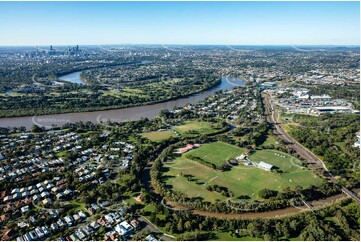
(188, 225)
(267, 193)
(36, 129)
(180, 226)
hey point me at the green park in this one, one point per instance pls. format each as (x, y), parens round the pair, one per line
(185, 175)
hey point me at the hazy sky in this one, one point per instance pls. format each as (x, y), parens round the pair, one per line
(247, 23)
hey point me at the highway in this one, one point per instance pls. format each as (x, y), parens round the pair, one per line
(306, 154)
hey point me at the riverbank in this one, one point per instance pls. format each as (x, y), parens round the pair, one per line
(117, 107)
(74, 77)
(114, 114)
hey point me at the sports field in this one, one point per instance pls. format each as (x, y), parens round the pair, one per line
(188, 129)
(191, 178)
(217, 153)
(291, 166)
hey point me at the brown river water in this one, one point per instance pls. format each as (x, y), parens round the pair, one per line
(116, 115)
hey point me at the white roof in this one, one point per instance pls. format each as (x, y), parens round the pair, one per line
(322, 96)
(126, 225)
(265, 165)
(305, 96)
(332, 107)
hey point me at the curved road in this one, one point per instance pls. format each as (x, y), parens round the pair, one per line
(152, 227)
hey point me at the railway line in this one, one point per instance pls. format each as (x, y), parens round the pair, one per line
(298, 148)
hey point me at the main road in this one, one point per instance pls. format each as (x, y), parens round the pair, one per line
(305, 153)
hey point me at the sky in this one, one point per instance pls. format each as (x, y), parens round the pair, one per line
(224, 23)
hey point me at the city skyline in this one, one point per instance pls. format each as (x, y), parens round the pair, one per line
(179, 23)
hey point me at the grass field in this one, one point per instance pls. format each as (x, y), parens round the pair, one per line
(293, 172)
(158, 136)
(126, 92)
(192, 128)
(188, 129)
(270, 140)
(217, 153)
(191, 178)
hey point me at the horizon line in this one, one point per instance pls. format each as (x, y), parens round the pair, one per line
(310, 45)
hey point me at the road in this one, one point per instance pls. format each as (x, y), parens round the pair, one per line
(305, 153)
(153, 228)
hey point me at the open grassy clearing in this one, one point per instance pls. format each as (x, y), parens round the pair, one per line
(270, 141)
(289, 126)
(17, 94)
(62, 153)
(75, 205)
(158, 136)
(188, 129)
(126, 93)
(191, 178)
(132, 90)
(192, 128)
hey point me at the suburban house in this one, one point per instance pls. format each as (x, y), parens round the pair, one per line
(124, 228)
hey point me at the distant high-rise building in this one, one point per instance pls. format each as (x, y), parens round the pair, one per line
(51, 47)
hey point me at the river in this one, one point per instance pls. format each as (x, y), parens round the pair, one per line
(73, 77)
(116, 115)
